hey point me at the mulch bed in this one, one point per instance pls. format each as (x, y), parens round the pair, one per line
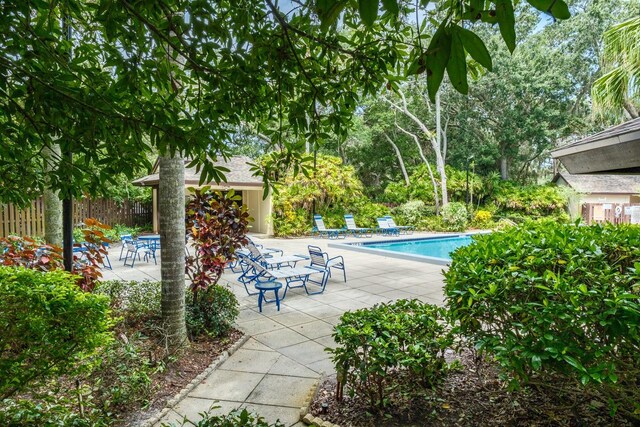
(187, 365)
(472, 396)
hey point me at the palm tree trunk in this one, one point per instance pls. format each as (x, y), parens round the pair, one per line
(52, 203)
(171, 207)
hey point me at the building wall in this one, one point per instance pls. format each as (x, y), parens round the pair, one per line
(260, 211)
(577, 200)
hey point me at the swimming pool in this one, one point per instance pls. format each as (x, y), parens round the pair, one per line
(435, 250)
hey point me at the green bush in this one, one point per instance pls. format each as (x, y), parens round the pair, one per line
(135, 300)
(390, 348)
(235, 418)
(532, 200)
(212, 312)
(47, 324)
(547, 297)
(455, 216)
(412, 212)
(50, 414)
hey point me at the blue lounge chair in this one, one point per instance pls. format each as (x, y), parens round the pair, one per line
(331, 233)
(403, 229)
(385, 229)
(354, 229)
(273, 261)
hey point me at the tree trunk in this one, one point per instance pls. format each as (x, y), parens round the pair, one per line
(631, 109)
(432, 139)
(504, 170)
(400, 160)
(171, 207)
(52, 203)
(436, 196)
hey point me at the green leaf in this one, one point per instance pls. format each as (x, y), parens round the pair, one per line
(507, 22)
(436, 59)
(457, 65)
(536, 362)
(476, 47)
(391, 6)
(328, 11)
(557, 8)
(368, 11)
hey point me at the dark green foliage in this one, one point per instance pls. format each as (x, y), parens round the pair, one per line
(532, 200)
(391, 348)
(132, 300)
(212, 312)
(235, 418)
(551, 298)
(47, 324)
(28, 413)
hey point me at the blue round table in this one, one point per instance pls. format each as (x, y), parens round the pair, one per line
(263, 287)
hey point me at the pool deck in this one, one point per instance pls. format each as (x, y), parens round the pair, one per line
(273, 371)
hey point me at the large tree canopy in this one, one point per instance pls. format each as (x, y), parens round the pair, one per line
(110, 79)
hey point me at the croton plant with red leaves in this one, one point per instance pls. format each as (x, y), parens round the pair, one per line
(217, 224)
(29, 253)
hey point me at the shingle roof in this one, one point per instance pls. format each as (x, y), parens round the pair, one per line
(612, 132)
(602, 184)
(239, 174)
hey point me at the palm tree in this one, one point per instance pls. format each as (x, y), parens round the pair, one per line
(618, 90)
(172, 232)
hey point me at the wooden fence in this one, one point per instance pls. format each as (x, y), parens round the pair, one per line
(30, 221)
(615, 213)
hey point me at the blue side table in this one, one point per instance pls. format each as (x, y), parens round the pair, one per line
(263, 287)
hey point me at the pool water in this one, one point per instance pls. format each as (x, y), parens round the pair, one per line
(438, 247)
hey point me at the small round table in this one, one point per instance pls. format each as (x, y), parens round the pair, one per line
(268, 286)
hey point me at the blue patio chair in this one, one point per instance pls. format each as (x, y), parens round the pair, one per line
(403, 229)
(321, 260)
(134, 249)
(123, 237)
(385, 229)
(354, 229)
(331, 233)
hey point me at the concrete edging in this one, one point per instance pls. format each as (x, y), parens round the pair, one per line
(306, 416)
(194, 382)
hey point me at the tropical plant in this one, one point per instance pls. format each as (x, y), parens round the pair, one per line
(618, 89)
(218, 227)
(551, 298)
(332, 189)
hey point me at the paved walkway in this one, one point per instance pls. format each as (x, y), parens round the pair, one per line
(273, 371)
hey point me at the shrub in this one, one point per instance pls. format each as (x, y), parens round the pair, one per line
(412, 212)
(46, 324)
(235, 418)
(532, 200)
(137, 299)
(455, 216)
(44, 413)
(390, 348)
(482, 218)
(553, 298)
(212, 313)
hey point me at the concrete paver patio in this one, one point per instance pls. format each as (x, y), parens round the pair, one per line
(273, 371)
